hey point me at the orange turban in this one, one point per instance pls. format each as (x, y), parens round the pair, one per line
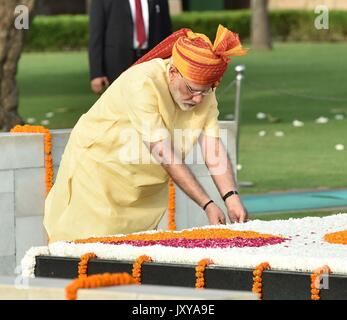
(195, 57)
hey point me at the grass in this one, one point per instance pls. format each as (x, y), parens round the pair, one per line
(305, 158)
(55, 82)
(275, 83)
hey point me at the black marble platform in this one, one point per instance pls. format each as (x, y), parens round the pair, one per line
(277, 285)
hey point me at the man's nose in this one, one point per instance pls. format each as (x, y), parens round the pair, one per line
(197, 99)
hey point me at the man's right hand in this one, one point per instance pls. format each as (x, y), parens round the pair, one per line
(99, 84)
(215, 214)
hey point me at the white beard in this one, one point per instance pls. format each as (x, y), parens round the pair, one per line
(177, 99)
(185, 107)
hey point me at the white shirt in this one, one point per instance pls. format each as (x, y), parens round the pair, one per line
(145, 14)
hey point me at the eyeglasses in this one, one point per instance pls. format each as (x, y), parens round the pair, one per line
(195, 93)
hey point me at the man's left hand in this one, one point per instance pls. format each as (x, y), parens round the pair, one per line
(236, 211)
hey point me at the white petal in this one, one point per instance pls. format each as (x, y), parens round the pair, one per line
(261, 115)
(322, 120)
(297, 123)
(340, 147)
(49, 114)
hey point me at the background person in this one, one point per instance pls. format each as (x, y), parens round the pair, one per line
(120, 33)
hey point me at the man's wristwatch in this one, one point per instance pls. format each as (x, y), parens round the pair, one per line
(229, 194)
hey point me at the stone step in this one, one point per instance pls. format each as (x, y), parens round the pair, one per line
(54, 289)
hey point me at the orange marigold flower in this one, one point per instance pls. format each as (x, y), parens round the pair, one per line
(257, 280)
(137, 267)
(172, 206)
(213, 233)
(200, 272)
(83, 264)
(257, 273)
(339, 237)
(315, 291)
(95, 281)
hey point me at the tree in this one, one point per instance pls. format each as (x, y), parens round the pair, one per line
(11, 46)
(88, 4)
(260, 26)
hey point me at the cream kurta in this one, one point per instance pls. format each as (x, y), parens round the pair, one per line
(104, 185)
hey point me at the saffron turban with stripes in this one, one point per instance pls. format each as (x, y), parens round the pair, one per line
(194, 55)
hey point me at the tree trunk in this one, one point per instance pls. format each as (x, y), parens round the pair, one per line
(88, 4)
(11, 45)
(260, 27)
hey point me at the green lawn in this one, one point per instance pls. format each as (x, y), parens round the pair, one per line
(297, 215)
(276, 83)
(54, 82)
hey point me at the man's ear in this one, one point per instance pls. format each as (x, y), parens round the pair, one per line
(172, 72)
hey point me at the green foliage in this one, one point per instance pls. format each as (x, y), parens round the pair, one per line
(294, 25)
(52, 33)
(71, 31)
(207, 22)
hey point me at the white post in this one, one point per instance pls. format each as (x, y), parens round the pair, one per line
(240, 69)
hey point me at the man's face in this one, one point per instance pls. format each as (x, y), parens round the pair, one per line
(186, 94)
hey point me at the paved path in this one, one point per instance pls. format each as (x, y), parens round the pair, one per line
(295, 201)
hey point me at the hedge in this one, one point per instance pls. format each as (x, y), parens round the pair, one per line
(70, 32)
(61, 32)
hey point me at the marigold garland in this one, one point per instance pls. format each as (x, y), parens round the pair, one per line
(210, 233)
(200, 273)
(83, 264)
(315, 278)
(258, 280)
(47, 149)
(172, 206)
(339, 237)
(137, 267)
(96, 281)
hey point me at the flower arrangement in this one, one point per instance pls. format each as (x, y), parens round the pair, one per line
(83, 264)
(339, 237)
(172, 206)
(96, 281)
(258, 280)
(200, 273)
(47, 149)
(203, 238)
(301, 248)
(137, 267)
